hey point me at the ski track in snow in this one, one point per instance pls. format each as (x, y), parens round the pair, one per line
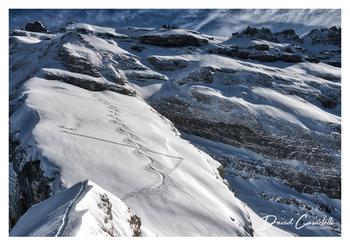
(163, 176)
(66, 214)
(161, 183)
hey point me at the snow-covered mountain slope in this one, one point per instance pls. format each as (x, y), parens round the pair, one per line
(88, 103)
(84, 209)
(118, 142)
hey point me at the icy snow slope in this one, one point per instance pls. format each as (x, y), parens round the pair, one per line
(84, 209)
(72, 127)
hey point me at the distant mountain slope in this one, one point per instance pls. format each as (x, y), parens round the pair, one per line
(211, 21)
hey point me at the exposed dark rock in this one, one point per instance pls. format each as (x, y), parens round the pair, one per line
(225, 76)
(264, 57)
(77, 64)
(262, 47)
(108, 35)
(288, 35)
(288, 57)
(106, 206)
(165, 26)
(167, 64)
(328, 102)
(325, 36)
(88, 83)
(173, 40)
(234, 52)
(186, 117)
(36, 26)
(137, 48)
(204, 74)
(135, 225)
(262, 33)
(334, 63)
(312, 59)
(31, 185)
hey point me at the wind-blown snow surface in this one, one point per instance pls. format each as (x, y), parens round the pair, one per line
(79, 107)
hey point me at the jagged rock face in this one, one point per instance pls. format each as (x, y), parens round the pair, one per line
(288, 36)
(30, 187)
(325, 36)
(300, 48)
(36, 26)
(318, 155)
(263, 33)
(208, 113)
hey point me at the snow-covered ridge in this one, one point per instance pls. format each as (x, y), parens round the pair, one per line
(84, 209)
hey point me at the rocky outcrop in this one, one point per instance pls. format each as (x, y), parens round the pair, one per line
(318, 157)
(86, 82)
(106, 206)
(232, 51)
(78, 63)
(297, 51)
(167, 64)
(36, 26)
(324, 36)
(135, 225)
(226, 76)
(259, 52)
(30, 186)
(288, 36)
(173, 39)
(259, 33)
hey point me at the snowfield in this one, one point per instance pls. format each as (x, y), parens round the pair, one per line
(144, 132)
